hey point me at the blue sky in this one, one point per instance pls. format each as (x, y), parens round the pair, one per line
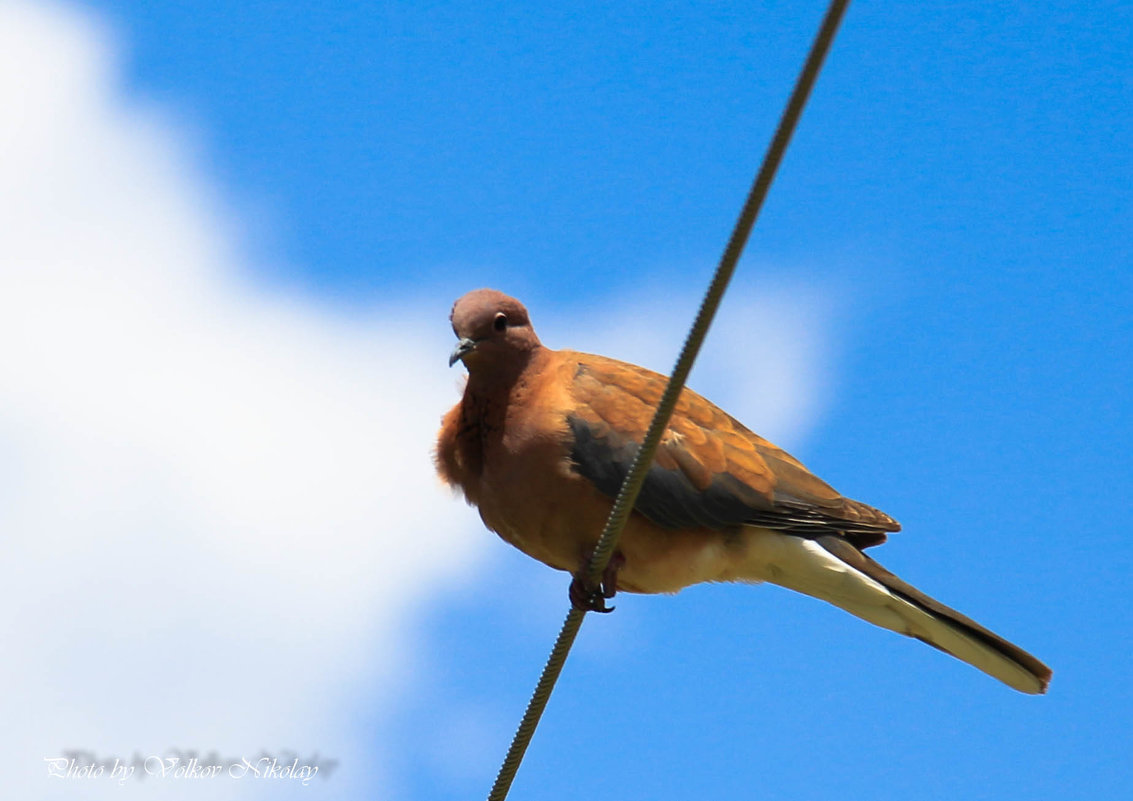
(934, 314)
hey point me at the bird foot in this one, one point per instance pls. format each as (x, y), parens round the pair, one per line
(589, 598)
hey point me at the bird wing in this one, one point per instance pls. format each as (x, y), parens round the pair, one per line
(709, 471)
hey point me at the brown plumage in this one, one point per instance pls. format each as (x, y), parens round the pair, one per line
(542, 439)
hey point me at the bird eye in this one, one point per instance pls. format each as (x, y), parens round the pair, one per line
(500, 323)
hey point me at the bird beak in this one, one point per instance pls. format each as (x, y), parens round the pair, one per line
(462, 349)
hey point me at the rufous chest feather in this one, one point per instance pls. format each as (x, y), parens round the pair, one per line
(509, 443)
(474, 431)
(498, 428)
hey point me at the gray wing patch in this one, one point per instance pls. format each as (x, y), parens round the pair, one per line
(670, 500)
(667, 498)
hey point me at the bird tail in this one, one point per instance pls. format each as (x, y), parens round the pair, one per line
(830, 568)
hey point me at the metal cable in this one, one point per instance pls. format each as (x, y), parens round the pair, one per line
(634, 480)
(537, 704)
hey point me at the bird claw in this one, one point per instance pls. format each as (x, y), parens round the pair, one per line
(588, 598)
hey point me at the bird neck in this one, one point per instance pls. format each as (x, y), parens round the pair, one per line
(487, 397)
(496, 377)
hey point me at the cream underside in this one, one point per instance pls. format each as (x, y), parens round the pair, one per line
(804, 566)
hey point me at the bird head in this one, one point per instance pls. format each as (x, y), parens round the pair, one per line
(493, 329)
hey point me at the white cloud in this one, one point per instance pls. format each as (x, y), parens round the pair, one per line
(217, 505)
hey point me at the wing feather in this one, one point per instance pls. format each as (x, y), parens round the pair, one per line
(710, 470)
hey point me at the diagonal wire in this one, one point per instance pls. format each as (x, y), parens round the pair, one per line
(634, 480)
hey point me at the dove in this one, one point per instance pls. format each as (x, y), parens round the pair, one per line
(542, 439)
